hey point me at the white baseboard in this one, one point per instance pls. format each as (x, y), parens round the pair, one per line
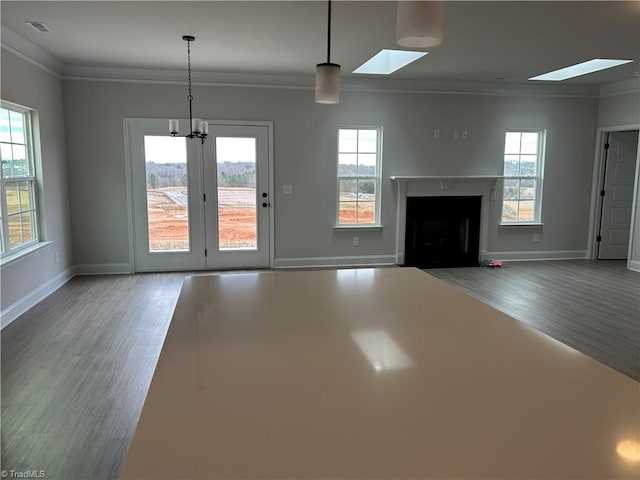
(12, 312)
(359, 261)
(536, 255)
(103, 269)
(634, 265)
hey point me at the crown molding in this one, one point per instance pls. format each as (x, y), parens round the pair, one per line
(180, 77)
(631, 85)
(306, 82)
(27, 50)
(523, 89)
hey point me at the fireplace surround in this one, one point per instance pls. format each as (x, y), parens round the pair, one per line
(406, 187)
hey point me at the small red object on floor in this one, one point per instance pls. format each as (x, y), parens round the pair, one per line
(496, 263)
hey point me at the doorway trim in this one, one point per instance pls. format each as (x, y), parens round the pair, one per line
(598, 176)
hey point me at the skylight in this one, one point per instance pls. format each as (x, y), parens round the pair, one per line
(583, 68)
(388, 61)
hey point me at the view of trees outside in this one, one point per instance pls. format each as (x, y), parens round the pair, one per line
(17, 176)
(237, 227)
(168, 195)
(357, 174)
(520, 170)
(237, 209)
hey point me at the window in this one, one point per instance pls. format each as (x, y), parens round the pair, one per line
(523, 166)
(359, 176)
(18, 222)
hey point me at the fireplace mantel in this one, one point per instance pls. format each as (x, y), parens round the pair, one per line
(429, 186)
(444, 181)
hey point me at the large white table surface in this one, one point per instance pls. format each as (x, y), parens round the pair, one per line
(372, 374)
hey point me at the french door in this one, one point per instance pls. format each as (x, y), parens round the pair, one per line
(199, 205)
(236, 190)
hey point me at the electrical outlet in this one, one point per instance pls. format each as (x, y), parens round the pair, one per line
(456, 134)
(57, 257)
(356, 241)
(536, 237)
(287, 189)
(436, 134)
(465, 134)
(493, 195)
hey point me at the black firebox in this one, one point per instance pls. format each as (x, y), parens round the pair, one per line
(443, 231)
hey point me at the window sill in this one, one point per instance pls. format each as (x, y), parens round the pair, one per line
(522, 224)
(358, 227)
(25, 252)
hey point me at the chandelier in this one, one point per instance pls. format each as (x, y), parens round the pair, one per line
(197, 128)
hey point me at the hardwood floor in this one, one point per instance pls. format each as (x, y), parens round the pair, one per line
(594, 307)
(75, 372)
(76, 368)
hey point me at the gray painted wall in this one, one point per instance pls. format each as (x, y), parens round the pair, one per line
(616, 110)
(32, 87)
(305, 151)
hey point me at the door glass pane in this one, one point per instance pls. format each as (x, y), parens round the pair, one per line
(167, 193)
(237, 211)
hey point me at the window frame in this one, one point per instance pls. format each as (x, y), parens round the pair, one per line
(377, 179)
(538, 178)
(7, 252)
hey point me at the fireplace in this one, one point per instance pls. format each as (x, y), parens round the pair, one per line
(443, 231)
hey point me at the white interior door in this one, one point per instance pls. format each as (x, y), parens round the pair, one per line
(617, 201)
(237, 197)
(166, 179)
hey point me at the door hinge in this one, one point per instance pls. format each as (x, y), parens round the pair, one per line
(205, 252)
(606, 146)
(204, 197)
(599, 238)
(602, 192)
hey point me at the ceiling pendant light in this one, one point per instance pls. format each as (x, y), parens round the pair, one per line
(197, 127)
(328, 74)
(419, 24)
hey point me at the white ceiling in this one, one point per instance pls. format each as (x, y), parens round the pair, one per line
(483, 41)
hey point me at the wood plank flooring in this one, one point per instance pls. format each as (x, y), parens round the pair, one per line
(75, 371)
(76, 368)
(594, 307)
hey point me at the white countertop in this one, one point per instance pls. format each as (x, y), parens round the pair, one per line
(372, 373)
